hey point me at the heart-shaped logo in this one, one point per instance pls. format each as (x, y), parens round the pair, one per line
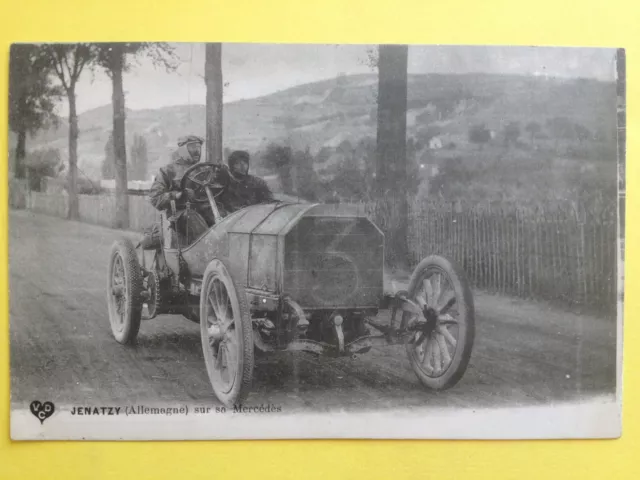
(42, 411)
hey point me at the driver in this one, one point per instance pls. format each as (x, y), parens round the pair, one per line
(166, 186)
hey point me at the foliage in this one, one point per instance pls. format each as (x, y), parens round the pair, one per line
(42, 163)
(479, 134)
(161, 54)
(511, 133)
(68, 61)
(533, 129)
(138, 167)
(280, 159)
(32, 96)
(86, 186)
(295, 170)
(348, 170)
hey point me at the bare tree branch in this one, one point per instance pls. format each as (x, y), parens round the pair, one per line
(59, 68)
(68, 68)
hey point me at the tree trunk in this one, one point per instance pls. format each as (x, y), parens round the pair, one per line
(213, 81)
(74, 207)
(21, 153)
(119, 138)
(391, 155)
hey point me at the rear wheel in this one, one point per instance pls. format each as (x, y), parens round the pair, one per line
(440, 354)
(124, 288)
(226, 334)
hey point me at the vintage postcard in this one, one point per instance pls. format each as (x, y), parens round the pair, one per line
(254, 241)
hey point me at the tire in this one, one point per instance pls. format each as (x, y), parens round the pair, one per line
(124, 299)
(422, 356)
(232, 346)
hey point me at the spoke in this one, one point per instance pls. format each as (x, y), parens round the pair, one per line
(226, 325)
(436, 291)
(218, 358)
(428, 289)
(212, 331)
(227, 306)
(212, 304)
(231, 358)
(426, 359)
(223, 298)
(447, 319)
(446, 303)
(409, 306)
(421, 300)
(443, 349)
(218, 303)
(194, 178)
(444, 331)
(420, 338)
(437, 358)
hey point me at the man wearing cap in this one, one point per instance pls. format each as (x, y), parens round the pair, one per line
(166, 186)
(243, 189)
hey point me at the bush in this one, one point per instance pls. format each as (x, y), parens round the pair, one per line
(42, 163)
(479, 134)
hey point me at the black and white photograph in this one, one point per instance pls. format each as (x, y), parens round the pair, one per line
(269, 241)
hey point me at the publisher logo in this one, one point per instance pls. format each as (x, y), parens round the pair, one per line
(42, 411)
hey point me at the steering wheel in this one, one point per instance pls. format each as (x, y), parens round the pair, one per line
(203, 175)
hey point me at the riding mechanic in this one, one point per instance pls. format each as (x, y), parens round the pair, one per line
(243, 189)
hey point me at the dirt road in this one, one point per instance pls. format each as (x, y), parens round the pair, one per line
(62, 349)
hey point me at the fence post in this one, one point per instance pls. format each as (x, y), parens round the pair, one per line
(581, 273)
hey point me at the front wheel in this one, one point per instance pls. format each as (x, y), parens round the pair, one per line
(226, 334)
(440, 353)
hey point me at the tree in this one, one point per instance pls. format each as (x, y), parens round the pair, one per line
(213, 81)
(511, 133)
(307, 184)
(280, 159)
(109, 162)
(582, 133)
(115, 59)
(42, 163)
(391, 155)
(348, 181)
(32, 97)
(533, 129)
(561, 127)
(68, 62)
(479, 135)
(139, 158)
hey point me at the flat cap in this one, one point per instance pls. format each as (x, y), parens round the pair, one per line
(190, 139)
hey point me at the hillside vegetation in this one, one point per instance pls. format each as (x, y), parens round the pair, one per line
(534, 137)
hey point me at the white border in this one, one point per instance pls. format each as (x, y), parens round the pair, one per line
(598, 418)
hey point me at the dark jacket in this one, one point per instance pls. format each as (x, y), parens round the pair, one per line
(167, 183)
(247, 191)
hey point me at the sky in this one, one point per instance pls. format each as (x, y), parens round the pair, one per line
(253, 70)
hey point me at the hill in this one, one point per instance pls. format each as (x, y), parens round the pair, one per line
(325, 114)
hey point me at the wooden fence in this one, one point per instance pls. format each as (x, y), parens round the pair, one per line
(560, 252)
(94, 209)
(557, 252)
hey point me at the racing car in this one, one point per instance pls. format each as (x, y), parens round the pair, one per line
(287, 276)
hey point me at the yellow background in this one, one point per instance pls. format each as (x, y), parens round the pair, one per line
(610, 23)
